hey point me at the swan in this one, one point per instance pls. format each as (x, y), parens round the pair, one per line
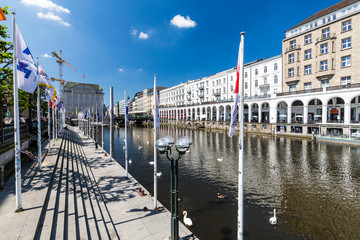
(147, 142)
(130, 161)
(273, 220)
(159, 174)
(220, 159)
(140, 147)
(221, 196)
(151, 163)
(187, 220)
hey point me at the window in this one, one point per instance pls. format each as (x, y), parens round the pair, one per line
(231, 78)
(346, 61)
(265, 69)
(308, 54)
(224, 89)
(232, 87)
(326, 33)
(345, 80)
(265, 81)
(256, 83)
(324, 48)
(346, 26)
(307, 86)
(224, 80)
(291, 58)
(292, 44)
(325, 83)
(346, 43)
(307, 69)
(324, 65)
(292, 88)
(256, 71)
(308, 39)
(276, 79)
(246, 85)
(246, 74)
(275, 66)
(291, 72)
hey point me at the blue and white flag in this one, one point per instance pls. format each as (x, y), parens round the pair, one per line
(27, 73)
(126, 113)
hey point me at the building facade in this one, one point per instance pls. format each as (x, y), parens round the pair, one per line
(323, 50)
(80, 96)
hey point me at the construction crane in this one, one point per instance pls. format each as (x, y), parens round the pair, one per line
(60, 61)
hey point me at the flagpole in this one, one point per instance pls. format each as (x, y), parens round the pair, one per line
(111, 119)
(49, 129)
(241, 144)
(155, 137)
(102, 125)
(53, 121)
(93, 125)
(56, 122)
(126, 155)
(39, 120)
(16, 127)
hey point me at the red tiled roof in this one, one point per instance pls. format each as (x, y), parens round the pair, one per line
(326, 11)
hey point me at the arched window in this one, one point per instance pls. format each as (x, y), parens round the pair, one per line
(275, 79)
(275, 66)
(246, 85)
(256, 83)
(256, 71)
(265, 69)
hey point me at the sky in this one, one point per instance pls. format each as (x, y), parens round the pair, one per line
(123, 43)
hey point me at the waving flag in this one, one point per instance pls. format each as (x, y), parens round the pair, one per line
(236, 98)
(50, 91)
(27, 73)
(56, 100)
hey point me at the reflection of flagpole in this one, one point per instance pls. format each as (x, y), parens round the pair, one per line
(39, 121)
(126, 159)
(240, 231)
(155, 136)
(16, 127)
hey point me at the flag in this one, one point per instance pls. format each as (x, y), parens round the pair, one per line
(50, 103)
(56, 100)
(236, 98)
(126, 113)
(156, 107)
(76, 111)
(84, 75)
(2, 15)
(50, 91)
(27, 73)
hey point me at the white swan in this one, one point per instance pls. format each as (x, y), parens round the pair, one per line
(151, 163)
(140, 147)
(220, 159)
(187, 220)
(147, 142)
(159, 174)
(273, 220)
(130, 161)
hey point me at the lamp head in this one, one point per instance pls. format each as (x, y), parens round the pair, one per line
(183, 144)
(163, 144)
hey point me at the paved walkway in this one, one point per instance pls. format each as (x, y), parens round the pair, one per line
(80, 194)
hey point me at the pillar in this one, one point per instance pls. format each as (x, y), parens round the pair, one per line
(324, 113)
(347, 112)
(259, 113)
(305, 116)
(250, 113)
(289, 114)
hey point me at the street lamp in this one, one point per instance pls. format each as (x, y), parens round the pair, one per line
(164, 146)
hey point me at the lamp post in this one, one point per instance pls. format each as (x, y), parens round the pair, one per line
(164, 146)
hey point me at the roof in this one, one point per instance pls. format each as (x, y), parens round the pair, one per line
(326, 11)
(73, 84)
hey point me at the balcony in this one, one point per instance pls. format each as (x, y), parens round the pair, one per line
(201, 87)
(325, 75)
(188, 91)
(290, 49)
(322, 39)
(188, 98)
(217, 94)
(264, 86)
(201, 95)
(332, 88)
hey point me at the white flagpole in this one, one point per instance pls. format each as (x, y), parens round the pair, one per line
(93, 127)
(155, 137)
(56, 123)
(16, 128)
(102, 126)
(53, 121)
(241, 144)
(126, 157)
(111, 119)
(39, 121)
(49, 128)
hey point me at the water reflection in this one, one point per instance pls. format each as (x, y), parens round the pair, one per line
(314, 187)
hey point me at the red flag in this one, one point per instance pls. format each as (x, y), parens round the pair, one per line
(2, 15)
(84, 75)
(50, 104)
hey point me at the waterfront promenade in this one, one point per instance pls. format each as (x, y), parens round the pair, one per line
(80, 194)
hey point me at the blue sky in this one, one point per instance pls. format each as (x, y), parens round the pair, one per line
(123, 43)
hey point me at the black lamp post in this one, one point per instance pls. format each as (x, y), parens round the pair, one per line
(164, 146)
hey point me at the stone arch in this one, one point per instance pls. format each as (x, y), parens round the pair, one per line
(265, 112)
(297, 111)
(336, 110)
(246, 112)
(221, 113)
(314, 110)
(282, 111)
(227, 113)
(254, 115)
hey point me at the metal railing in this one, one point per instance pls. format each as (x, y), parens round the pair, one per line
(320, 39)
(332, 88)
(7, 133)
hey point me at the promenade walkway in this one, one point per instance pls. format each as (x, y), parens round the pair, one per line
(80, 194)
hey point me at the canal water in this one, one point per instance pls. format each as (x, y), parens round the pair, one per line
(314, 187)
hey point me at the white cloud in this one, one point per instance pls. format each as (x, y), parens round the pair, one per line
(180, 22)
(53, 17)
(143, 35)
(140, 69)
(45, 55)
(120, 70)
(134, 32)
(45, 4)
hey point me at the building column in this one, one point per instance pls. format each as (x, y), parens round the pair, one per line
(206, 112)
(305, 115)
(177, 114)
(289, 114)
(212, 114)
(218, 114)
(250, 113)
(324, 113)
(347, 112)
(259, 113)
(273, 114)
